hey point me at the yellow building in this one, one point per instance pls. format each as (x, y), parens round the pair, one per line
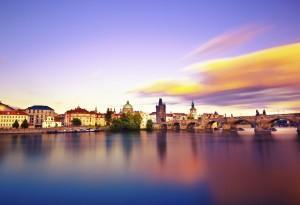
(87, 118)
(7, 118)
(100, 119)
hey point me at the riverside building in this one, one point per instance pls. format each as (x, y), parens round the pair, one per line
(7, 118)
(51, 122)
(87, 118)
(38, 114)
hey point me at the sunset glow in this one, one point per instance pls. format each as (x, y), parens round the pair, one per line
(268, 76)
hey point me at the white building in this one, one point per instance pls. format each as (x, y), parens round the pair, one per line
(153, 117)
(145, 118)
(50, 122)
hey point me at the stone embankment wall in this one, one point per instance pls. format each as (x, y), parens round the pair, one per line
(42, 130)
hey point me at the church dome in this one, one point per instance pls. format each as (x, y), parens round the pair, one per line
(127, 107)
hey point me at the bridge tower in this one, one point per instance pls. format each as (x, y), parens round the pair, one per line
(160, 112)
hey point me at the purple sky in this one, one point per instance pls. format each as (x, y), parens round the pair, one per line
(91, 53)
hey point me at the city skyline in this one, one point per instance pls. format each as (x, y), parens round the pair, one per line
(76, 53)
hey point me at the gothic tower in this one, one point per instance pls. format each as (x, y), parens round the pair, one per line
(160, 111)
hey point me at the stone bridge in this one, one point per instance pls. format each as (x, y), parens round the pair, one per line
(265, 121)
(227, 123)
(180, 125)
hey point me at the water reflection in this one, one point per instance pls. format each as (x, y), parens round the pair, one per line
(152, 167)
(108, 143)
(161, 140)
(194, 145)
(127, 143)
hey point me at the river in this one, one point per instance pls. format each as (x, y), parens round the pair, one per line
(150, 168)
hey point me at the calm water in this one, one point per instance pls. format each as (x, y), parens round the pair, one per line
(150, 168)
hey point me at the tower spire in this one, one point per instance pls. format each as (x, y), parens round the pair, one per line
(160, 101)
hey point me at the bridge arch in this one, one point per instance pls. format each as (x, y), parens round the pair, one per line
(213, 124)
(191, 126)
(283, 120)
(242, 121)
(164, 126)
(176, 126)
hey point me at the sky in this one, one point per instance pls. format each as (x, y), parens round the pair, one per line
(231, 56)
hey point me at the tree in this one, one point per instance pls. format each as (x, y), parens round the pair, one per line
(137, 118)
(24, 124)
(16, 124)
(149, 125)
(264, 112)
(117, 124)
(76, 122)
(257, 113)
(127, 121)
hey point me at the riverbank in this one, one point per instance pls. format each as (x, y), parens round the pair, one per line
(48, 130)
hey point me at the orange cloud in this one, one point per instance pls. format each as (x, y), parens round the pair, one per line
(275, 67)
(262, 77)
(172, 88)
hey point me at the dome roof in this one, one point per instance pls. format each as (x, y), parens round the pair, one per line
(127, 106)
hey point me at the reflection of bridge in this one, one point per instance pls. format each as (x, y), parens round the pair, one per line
(261, 121)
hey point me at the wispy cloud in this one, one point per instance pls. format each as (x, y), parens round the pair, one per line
(256, 79)
(227, 41)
